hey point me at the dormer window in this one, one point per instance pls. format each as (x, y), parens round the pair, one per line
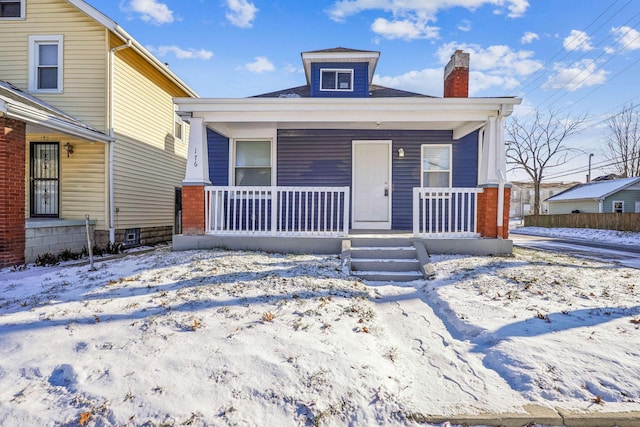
(11, 9)
(336, 80)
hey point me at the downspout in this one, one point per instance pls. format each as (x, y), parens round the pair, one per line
(501, 173)
(501, 181)
(112, 213)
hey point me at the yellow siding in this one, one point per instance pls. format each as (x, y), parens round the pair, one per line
(149, 163)
(82, 178)
(85, 58)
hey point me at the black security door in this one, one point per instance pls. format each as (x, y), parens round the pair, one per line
(45, 179)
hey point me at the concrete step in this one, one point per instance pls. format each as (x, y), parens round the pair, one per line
(388, 276)
(390, 260)
(384, 252)
(373, 242)
(385, 264)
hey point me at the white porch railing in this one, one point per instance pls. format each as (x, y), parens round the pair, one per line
(445, 212)
(277, 211)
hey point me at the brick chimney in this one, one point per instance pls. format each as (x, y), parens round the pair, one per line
(456, 76)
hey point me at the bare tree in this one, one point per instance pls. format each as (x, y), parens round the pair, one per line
(623, 141)
(538, 144)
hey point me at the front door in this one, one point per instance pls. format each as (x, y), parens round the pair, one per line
(371, 185)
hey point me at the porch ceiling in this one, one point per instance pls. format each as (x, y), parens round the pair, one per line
(461, 115)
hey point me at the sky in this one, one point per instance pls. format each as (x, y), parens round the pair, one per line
(574, 57)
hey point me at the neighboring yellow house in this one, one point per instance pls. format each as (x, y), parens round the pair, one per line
(101, 134)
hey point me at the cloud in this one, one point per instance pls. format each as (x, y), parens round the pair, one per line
(529, 37)
(260, 65)
(495, 68)
(342, 9)
(427, 81)
(627, 37)
(577, 40)
(496, 59)
(580, 74)
(290, 68)
(182, 53)
(465, 25)
(404, 29)
(241, 13)
(151, 11)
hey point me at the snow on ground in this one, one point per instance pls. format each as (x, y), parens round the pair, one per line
(248, 338)
(603, 236)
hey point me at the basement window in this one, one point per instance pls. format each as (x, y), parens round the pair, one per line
(131, 237)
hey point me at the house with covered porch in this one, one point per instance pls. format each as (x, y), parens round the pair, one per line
(307, 168)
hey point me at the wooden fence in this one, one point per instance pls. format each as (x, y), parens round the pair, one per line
(603, 221)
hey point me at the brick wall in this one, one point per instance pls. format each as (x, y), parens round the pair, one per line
(488, 213)
(192, 210)
(12, 192)
(457, 84)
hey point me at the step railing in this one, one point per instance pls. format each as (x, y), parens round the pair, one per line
(277, 211)
(445, 212)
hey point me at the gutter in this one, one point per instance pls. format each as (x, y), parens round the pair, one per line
(112, 213)
(499, 221)
(29, 116)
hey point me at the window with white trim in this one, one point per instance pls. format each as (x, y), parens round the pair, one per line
(11, 9)
(618, 206)
(336, 80)
(436, 165)
(178, 127)
(252, 163)
(45, 63)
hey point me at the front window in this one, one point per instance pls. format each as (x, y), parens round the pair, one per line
(618, 206)
(11, 9)
(336, 80)
(45, 63)
(253, 163)
(45, 179)
(436, 166)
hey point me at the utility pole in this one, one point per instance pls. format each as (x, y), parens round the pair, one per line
(589, 176)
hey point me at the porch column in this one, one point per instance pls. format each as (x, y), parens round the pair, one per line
(12, 197)
(494, 202)
(196, 179)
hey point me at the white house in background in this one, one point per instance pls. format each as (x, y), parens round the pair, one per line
(617, 195)
(522, 196)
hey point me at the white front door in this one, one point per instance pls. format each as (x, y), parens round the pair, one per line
(371, 185)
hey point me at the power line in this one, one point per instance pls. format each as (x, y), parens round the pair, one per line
(603, 164)
(524, 86)
(567, 84)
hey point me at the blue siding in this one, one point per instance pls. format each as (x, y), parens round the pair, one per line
(218, 150)
(314, 158)
(360, 80)
(323, 158)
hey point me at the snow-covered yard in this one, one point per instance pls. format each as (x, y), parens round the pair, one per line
(242, 338)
